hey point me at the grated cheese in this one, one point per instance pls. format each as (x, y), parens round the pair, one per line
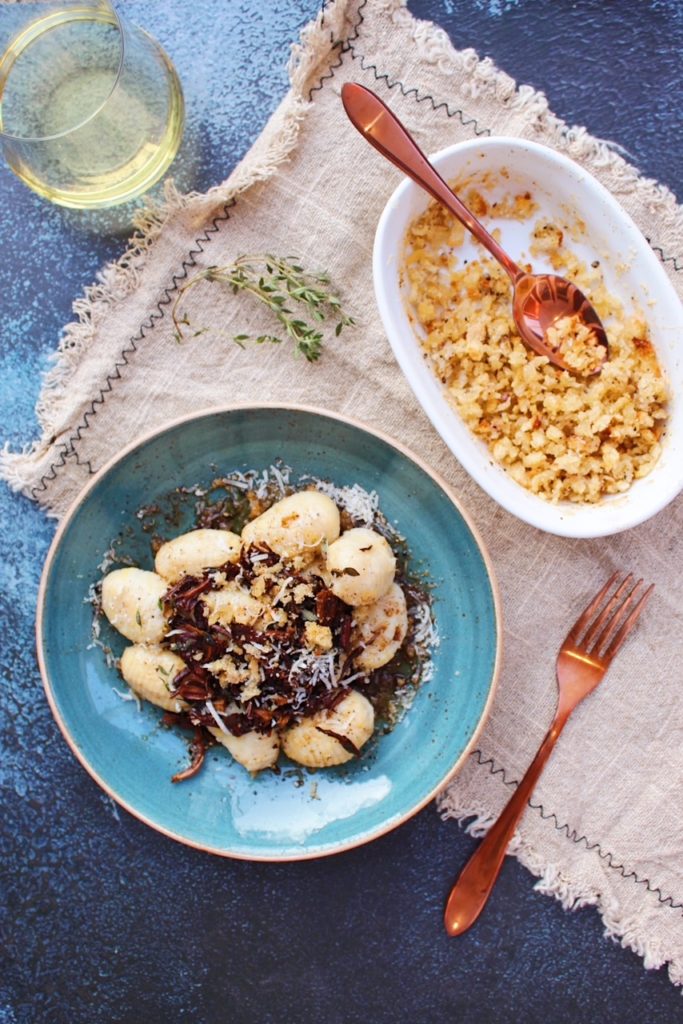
(130, 695)
(216, 717)
(281, 477)
(281, 592)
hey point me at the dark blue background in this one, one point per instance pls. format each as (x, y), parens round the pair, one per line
(103, 920)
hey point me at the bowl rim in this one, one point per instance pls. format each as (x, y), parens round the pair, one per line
(148, 436)
(565, 519)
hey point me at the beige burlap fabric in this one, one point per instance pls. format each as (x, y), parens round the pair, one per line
(605, 824)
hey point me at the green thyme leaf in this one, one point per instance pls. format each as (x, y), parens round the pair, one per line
(277, 283)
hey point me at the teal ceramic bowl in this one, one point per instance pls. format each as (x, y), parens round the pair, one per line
(297, 814)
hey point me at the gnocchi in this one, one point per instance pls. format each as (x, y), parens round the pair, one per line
(253, 750)
(150, 670)
(296, 526)
(362, 566)
(132, 601)
(379, 629)
(193, 552)
(332, 736)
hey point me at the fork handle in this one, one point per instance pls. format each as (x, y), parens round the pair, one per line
(473, 887)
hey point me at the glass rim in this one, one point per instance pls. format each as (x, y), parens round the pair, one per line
(81, 124)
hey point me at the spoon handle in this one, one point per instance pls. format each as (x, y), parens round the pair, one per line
(384, 131)
(471, 891)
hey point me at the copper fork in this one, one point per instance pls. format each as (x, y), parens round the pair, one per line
(586, 654)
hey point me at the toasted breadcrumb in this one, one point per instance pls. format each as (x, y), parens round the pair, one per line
(318, 638)
(562, 436)
(577, 343)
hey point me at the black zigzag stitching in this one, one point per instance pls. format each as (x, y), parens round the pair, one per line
(574, 836)
(342, 47)
(67, 448)
(484, 761)
(676, 260)
(348, 47)
(419, 97)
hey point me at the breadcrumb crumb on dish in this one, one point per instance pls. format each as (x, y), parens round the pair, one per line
(563, 437)
(577, 343)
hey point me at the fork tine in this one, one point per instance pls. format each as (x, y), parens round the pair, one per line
(628, 625)
(585, 616)
(616, 620)
(607, 611)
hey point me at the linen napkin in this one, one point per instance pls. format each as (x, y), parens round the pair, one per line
(605, 824)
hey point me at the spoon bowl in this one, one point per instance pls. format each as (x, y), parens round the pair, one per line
(540, 301)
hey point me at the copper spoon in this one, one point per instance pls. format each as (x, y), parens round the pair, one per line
(589, 649)
(539, 300)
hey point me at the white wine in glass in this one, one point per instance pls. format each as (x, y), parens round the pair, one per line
(91, 108)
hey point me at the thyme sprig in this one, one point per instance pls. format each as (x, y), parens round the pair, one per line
(281, 284)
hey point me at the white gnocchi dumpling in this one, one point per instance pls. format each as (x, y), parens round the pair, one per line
(353, 718)
(232, 604)
(254, 750)
(150, 670)
(191, 553)
(379, 629)
(132, 600)
(297, 525)
(362, 566)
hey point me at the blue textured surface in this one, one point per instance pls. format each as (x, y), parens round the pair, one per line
(223, 809)
(104, 920)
